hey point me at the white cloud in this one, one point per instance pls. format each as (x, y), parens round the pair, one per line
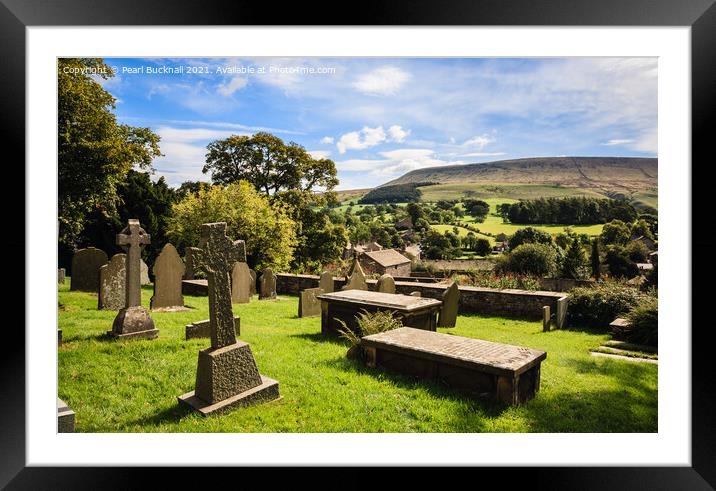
(394, 163)
(319, 154)
(328, 140)
(648, 142)
(617, 142)
(170, 134)
(234, 84)
(479, 141)
(382, 81)
(397, 133)
(483, 154)
(359, 140)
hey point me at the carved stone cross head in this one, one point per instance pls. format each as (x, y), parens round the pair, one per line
(217, 253)
(133, 235)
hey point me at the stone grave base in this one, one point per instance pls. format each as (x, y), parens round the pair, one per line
(266, 392)
(133, 322)
(65, 418)
(228, 377)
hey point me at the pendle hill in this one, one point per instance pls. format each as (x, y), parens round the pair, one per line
(615, 177)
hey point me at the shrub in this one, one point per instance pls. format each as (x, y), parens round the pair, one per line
(637, 251)
(619, 263)
(575, 263)
(368, 323)
(483, 247)
(529, 235)
(530, 259)
(599, 305)
(643, 327)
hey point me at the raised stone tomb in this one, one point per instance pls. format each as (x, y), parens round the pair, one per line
(510, 374)
(347, 305)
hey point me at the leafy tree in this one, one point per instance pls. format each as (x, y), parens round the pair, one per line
(477, 209)
(415, 211)
(95, 153)
(533, 259)
(140, 198)
(359, 233)
(190, 187)
(482, 247)
(620, 266)
(268, 163)
(637, 251)
(440, 246)
(265, 226)
(319, 242)
(575, 263)
(595, 261)
(642, 227)
(615, 232)
(529, 235)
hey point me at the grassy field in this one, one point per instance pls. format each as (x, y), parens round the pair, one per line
(501, 191)
(131, 386)
(494, 225)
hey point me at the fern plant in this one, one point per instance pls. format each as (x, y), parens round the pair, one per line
(368, 323)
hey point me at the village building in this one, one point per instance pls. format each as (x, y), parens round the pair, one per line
(404, 224)
(388, 261)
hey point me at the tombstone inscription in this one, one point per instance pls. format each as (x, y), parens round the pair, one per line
(227, 376)
(133, 321)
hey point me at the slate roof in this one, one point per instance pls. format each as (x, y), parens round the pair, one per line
(387, 257)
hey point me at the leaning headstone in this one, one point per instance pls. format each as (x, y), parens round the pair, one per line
(561, 316)
(448, 310)
(308, 304)
(144, 277)
(226, 375)
(240, 283)
(112, 281)
(386, 284)
(326, 282)
(545, 318)
(267, 285)
(61, 276)
(252, 286)
(188, 264)
(85, 269)
(202, 329)
(356, 280)
(133, 321)
(65, 418)
(168, 271)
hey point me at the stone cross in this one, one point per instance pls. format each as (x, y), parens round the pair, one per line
(216, 256)
(132, 239)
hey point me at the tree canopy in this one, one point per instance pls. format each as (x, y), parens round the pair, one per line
(265, 226)
(95, 153)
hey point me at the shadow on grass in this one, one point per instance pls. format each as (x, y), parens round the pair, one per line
(632, 407)
(317, 337)
(171, 415)
(481, 402)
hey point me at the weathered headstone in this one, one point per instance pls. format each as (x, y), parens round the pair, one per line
(226, 375)
(267, 285)
(85, 269)
(168, 271)
(61, 276)
(308, 304)
(112, 283)
(240, 283)
(188, 264)
(561, 317)
(133, 321)
(252, 286)
(545, 318)
(386, 284)
(65, 418)
(144, 276)
(326, 282)
(356, 279)
(448, 311)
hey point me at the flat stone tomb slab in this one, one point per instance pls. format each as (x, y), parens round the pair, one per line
(65, 418)
(511, 374)
(197, 288)
(346, 305)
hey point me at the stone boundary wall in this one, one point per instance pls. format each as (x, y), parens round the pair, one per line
(507, 302)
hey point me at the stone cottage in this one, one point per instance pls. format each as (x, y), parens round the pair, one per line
(387, 261)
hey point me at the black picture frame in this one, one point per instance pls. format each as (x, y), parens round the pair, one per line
(16, 15)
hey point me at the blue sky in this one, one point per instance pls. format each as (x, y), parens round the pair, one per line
(378, 118)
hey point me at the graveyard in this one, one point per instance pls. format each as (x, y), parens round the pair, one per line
(132, 386)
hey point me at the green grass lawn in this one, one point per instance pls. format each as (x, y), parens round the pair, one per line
(131, 386)
(494, 225)
(500, 191)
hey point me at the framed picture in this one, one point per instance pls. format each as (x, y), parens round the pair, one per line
(596, 80)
